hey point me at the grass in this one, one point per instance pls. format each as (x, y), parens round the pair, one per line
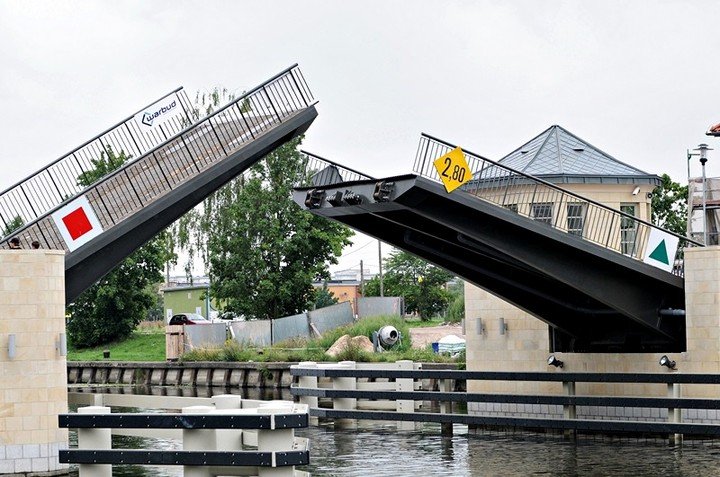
(418, 323)
(297, 349)
(145, 344)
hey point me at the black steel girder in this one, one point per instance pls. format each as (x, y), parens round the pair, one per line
(593, 299)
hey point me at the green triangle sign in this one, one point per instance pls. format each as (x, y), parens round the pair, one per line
(660, 253)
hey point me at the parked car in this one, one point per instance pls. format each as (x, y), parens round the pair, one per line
(188, 319)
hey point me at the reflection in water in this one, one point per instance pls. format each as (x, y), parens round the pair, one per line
(379, 449)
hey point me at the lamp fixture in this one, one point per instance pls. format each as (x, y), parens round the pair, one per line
(382, 191)
(61, 344)
(503, 326)
(12, 348)
(480, 330)
(636, 190)
(314, 198)
(667, 362)
(553, 361)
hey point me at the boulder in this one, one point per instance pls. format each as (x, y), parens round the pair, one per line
(345, 341)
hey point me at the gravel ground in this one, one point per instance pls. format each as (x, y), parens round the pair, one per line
(421, 337)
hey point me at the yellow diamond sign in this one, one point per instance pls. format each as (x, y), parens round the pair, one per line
(453, 169)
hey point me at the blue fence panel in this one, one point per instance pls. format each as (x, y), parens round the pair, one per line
(255, 333)
(378, 306)
(332, 317)
(290, 327)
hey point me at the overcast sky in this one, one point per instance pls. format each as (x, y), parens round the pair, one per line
(637, 79)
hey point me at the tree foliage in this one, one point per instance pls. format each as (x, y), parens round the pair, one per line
(264, 251)
(111, 308)
(324, 297)
(16, 223)
(419, 282)
(669, 205)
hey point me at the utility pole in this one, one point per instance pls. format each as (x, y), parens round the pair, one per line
(380, 265)
(362, 279)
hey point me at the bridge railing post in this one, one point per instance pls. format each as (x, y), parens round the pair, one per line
(276, 440)
(569, 411)
(674, 413)
(228, 439)
(94, 439)
(198, 439)
(406, 385)
(309, 382)
(446, 428)
(345, 403)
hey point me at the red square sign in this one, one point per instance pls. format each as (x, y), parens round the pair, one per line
(77, 223)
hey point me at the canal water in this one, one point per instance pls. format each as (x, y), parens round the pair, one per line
(379, 449)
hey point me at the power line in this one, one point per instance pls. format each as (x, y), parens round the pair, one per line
(357, 249)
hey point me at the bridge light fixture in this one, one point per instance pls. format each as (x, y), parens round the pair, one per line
(553, 361)
(314, 198)
(382, 191)
(11, 347)
(667, 362)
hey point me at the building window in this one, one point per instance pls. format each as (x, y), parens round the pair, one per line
(628, 229)
(542, 212)
(575, 218)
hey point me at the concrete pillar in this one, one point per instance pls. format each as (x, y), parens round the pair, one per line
(196, 440)
(345, 403)
(309, 382)
(33, 377)
(94, 439)
(228, 439)
(407, 385)
(276, 440)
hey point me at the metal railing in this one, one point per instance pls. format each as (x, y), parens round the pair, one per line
(320, 172)
(43, 190)
(214, 438)
(182, 156)
(354, 399)
(547, 203)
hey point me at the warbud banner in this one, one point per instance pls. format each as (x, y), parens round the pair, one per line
(159, 113)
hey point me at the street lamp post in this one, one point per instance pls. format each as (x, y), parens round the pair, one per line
(703, 148)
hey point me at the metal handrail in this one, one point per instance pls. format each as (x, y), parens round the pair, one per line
(44, 189)
(320, 171)
(185, 154)
(529, 196)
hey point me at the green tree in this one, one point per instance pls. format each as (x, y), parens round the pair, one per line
(324, 297)
(419, 282)
(456, 307)
(669, 205)
(16, 223)
(263, 250)
(111, 308)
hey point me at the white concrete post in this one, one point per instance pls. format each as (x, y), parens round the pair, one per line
(674, 414)
(196, 440)
(276, 440)
(569, 411)
(446, 428)
(228, 439)
(309, 382)
(94, 439)
(345, 403)
(406, 385)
